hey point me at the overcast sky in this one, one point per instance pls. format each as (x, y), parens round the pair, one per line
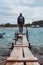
(10, 9)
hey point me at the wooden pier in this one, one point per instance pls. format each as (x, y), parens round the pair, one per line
(21, 54)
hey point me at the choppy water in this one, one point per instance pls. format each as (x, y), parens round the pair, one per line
(35, 36)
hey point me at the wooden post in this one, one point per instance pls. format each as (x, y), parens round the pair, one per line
(15, 38)
(27, 34)
(12, 45)
(29, 46)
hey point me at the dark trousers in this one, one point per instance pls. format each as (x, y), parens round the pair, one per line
(20, 29)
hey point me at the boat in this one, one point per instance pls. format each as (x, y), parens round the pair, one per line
(2, 35)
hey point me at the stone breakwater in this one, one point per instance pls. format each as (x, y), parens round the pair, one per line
(4, 53)
(38, 52)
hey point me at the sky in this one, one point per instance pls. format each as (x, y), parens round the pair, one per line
(32, 10)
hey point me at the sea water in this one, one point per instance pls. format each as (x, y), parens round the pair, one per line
(35, 36)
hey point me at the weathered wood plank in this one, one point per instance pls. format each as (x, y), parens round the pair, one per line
(15, 63)
(32, 63)
(24, 38)
(21, 46)
(22, 41)
(20, 35)
(28, 54)
(15, 54)
(22, 60)
(19, 43)
(25, 42)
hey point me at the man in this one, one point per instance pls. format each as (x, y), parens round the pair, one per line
(20, 22)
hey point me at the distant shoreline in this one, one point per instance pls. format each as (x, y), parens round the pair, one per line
(18, 26)
(8, 25)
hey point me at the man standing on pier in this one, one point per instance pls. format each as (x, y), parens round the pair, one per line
(20, 22)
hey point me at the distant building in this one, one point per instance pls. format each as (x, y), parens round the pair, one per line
(38, 23)
(37, 26)
(32, 26)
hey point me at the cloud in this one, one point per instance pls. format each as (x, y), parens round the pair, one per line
(10, 9)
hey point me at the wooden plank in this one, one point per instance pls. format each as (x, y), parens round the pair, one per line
(21, 46)
(24, 38)
(33, 63)
(19, 42)
(21, 60)
(28, 54)
(20, 35)
(15, 63)
(25, 42)
(15, 54)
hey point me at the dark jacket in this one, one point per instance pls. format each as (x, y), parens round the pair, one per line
(20, 20)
